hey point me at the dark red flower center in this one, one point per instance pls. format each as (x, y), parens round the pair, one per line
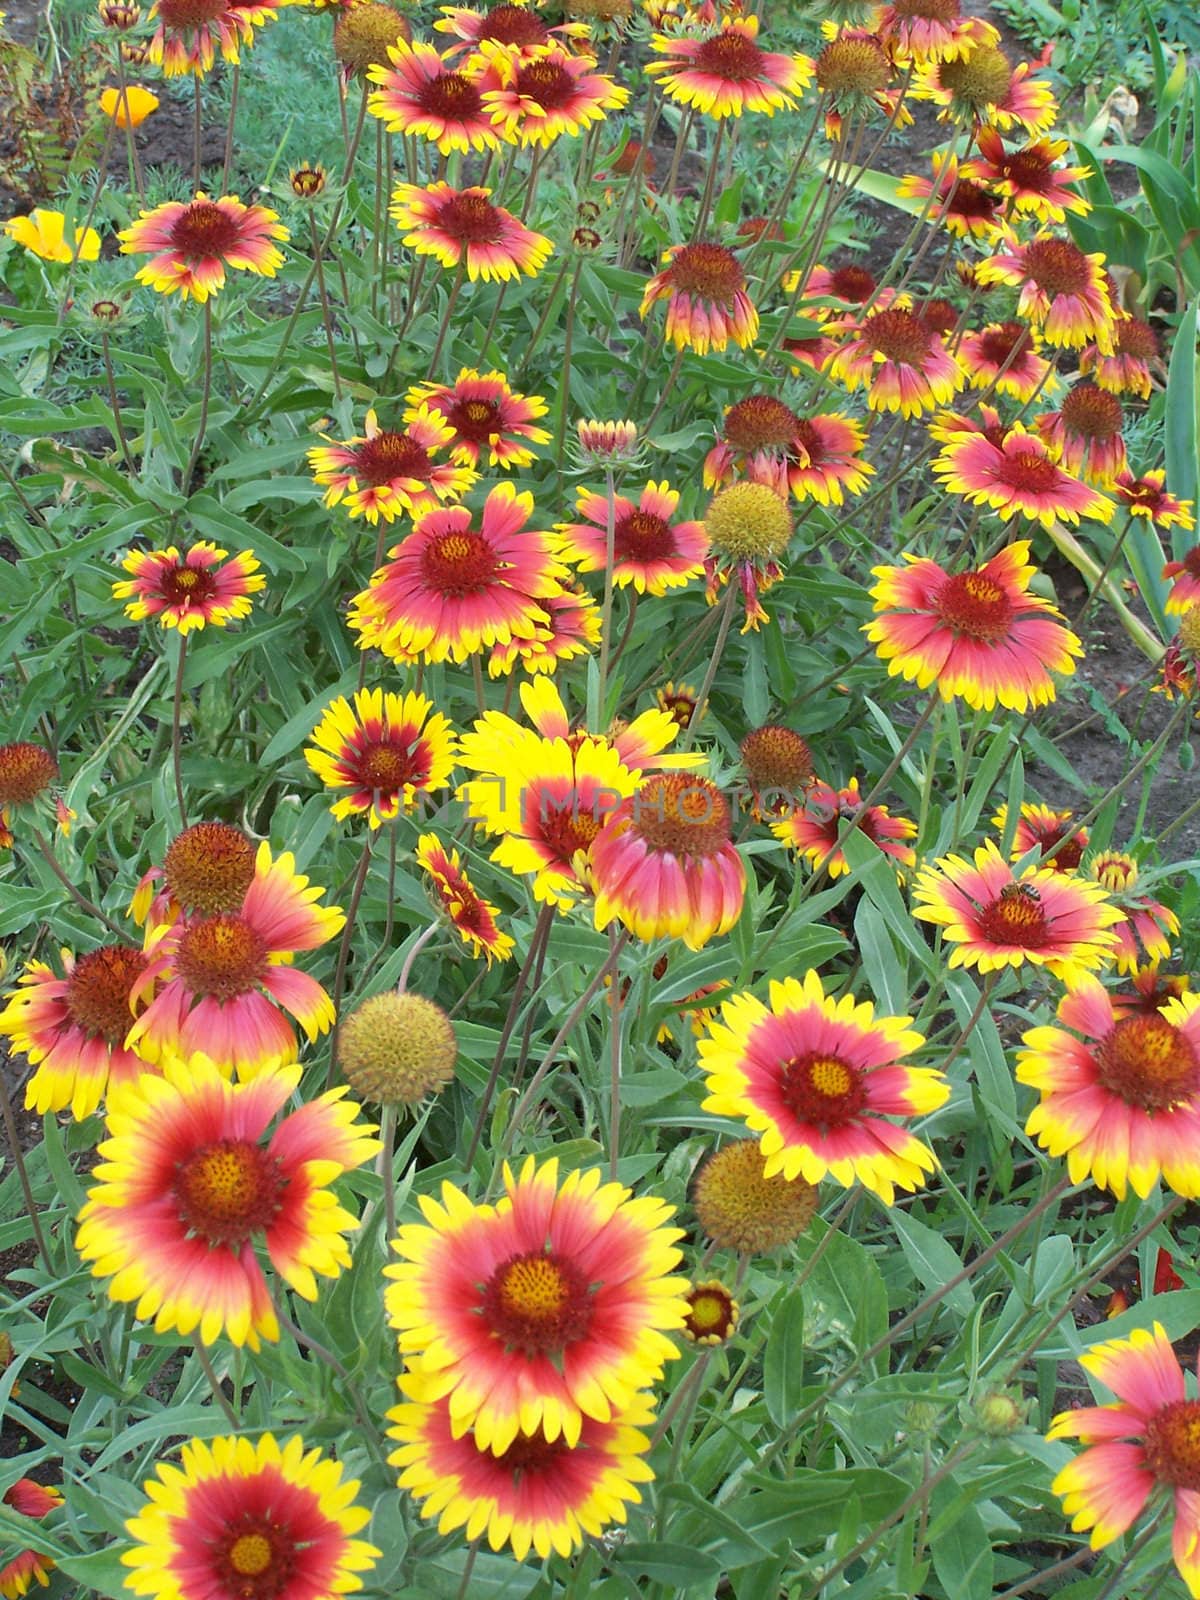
(974, 605)
(221, 956)
(1191, 561)
(707, 270)
(760, 422)
(567, 826)
(476, 421)
(190, 13)
(938, 315)
(389, 456)
(852, 283)
(203, 230)
(533, 1457)
(679, 814)
(450, 94)
(756, 228)
(979, 79)
(928, 10)
(255, 1558)
(643, 536)
(1058, 266)
(184, 585)
(1135, 338)
(712, 1313)
(459, 563)
(1015, 917)
(512, 25)
(386, 767)
(730, 56)
(1092, 412)
(1173, 1444)
(971, 200)
(209, 867)
(547, 83)
(1029, 471)
(899, 336)
(997, 344)
(471, 219)
(1071, 854)
(681, 707)
(810, 442)
(822, 1089)
(228, 1190)
(853, 66)
(98, 990)
(467, 911)
(537, 1304)
(1030, 171)
(26, 771)
(1149, 1062)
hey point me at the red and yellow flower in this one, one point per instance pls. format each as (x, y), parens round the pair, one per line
(27, 771)
(25, 1567)
(486, 416)
(931, 30)
(856, 75)
(817, 458)
(1126, 368)
(224, 976)
(241, 1518)
(651, 551)
(513, 24)
(536, 96)
(566, 625)
(707, 304)
(980, 635)
(189, 591)
(1120, 1096)
(386, 750)
(1041, 828)
(996, 919)
(1064, 292)
(1004, 357)
(420, 94)
(190, 32)
(1018, 477)
(187, 1187)
(817, 1079)
(386, 471)
(474, 917)
(728, 73)
(1085, 433)
(1029, 177)
(813, 828)
(550, 1307)
(1185, 573)
(455, 586)
(1146, 496)
(903, 365)
(966, 209)
(980, 85)
(191, 245)
(1147, 926)
(462, 226)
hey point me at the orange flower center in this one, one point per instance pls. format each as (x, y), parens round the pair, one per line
(537, 1304)
(389, 456)
(997, 344)
(512, 25)
(254, 1560)
(221, 956)
(679, 814)
(547, 83)
(228, 1190)
(450, 94)
(928, 10)
(1092, 412)
(1015, 917)
(1173, 1444)
(898, 336)
(190, 13)
(980, 79)
(776, 758)
(459, 563)
(386, 767)
(209, 867)
(1058, 266)
(643, 536)
(203, 230)
(1136, 338)
(852, 283)
(822, 1089)
(98, 989)
(1028, 470)
(760, 421)
(975, 605)
(26, 771)
(475, 420)
(853, 66)
(471, 219)
(708, 271)
(729, 56)
(1149, 1062)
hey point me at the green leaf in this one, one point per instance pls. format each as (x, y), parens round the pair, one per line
(783, 1361)
(808, 1508)
(844, 1293)
(932, 1259)
(959, 1544)
(676, 1564)
(1181, 434)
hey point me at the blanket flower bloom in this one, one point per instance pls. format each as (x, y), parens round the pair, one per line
(566, 625)
(980, 85)
(707, 304)
(462, 226)
(1041, 828)
(420, 95)
(187, 1185)
(191, 32)
(1084, 434)
(1126, 369)
(386, 471)
(1184, 574)
(903, 365)
(1064, 293)
(1146, 496)
(1019, 476)
(386, 751)
(550, 1307)
(818, 457)
(474, 918)
(1030, 176)
(817, 1079)
(728, 73)
(191, 245)
(539, 95)
(189, 591)
(813, 828)
(28, 1499)
(1004, 356)
(1147, 926)
(486, 416)
(651, 551)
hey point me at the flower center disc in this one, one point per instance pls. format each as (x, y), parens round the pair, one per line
(190, 13)
(642, 536)
(928, 10)
(184, 585)
(209, 867)
(1027, 470)
(980, 79)
(477, 420)
(1028, 170)
(26, 771)
(459, 564)
(568, 828)
(853, 66)
(257, 1560)
(204, 230)
(975, 605)
(822, 1089)
(851, 283)
(998, 344)
(1015, 918)
(388, 767)
(537, 1304)
(221, 956)
(730, 56)
(1057, 266)
(228, 1190)
(898, 336)
(1091, 412)
(471, 218)
(1173, 1444)
(760, 421)
(707, 270)
(512, 25)
(1191, 561)
(97, 995)
(1149, 1063)
(547, 83)
(1071, 854)
(1136, 338)
(389, 456)
(682, 815)
(450, 95)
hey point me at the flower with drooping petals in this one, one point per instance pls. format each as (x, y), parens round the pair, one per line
(386, 750)
(191, 245)
(1064, 294)
(651, 551)
(980, 635)
(223, 976)
(854, 74)
(931, 30)
(1030, 176)
(779, 768)
(1041, 828)
(902, 364)
(1004, 356)
(26, 1567)
(1151, 991)
(1120, 1098)
(243, 1519)
(1177, 673)
(186, 1186)
(1126, 368)
(996, 919)
(728, 72)
(514, 24)
(189, 591)
(43, 234)
(539, 95)
(472, 915)
(456, 585)
(607, 443)
(1146, 496)
(749, 527)
(1085, 433)
(207, 868)
(817, 1079)
(566, 625)
(980, 85)
(707, 304)
(541, 1311)
(539, 1493)
(1147, 926)
(190, 32)
(813, 828)
(72, 1029)
(386, 471)
(487, 417)
(1018, 477)
(463, 226)
(817, 457)
(27, 771)
(419, 94)
(966, 209)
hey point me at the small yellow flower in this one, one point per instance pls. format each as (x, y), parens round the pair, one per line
(128, 107)
(42, 232)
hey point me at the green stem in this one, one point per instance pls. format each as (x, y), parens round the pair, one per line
(176, 729)
(339, 977)
(205, 396)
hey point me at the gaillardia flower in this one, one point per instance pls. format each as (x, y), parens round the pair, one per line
(539, 1493)
(1085, 435)
(189, 591)
(486, 416)
(474, 918)
(223, 976)
(749, 527)
(534, 1314)
(980, 85)
(1030, 176)
(1041, 828)
(192, 244)
(512, 23)
(813, 828)
(1120, 1098)
(397, 1048)
(243, 1519)
(190, 32)
(713, 1313)
(931, 30)
(1184, 574)
(1147, 926)
(728, 72)
(1146, 496)
(741, 1209)
(817, 1079)
(707, 304)
(386, 472)
(817, 457)
(995, 919)
(651, 551)
(965, 209)
(386, 750)
(28, 1499)
(1003, 357)
(187, 1187)
(901, 363)
(1126, 369)
(1149, 1440)
(980, 635)
(567, 625)
(27, 771)
(419, 94)
(1064, 294)
(463, 226)
(73, 1028)
(42, 233)
(537, 95)
(1018, 477)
